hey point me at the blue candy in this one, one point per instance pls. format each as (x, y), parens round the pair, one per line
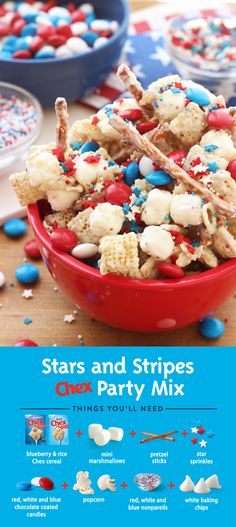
(22, 44)
(198, 96)
(30, 17)
(75, 145)
(131, 173)
(29, 31)
(45, 54)
(90, 146)
(90, 18)
(211, 328)
(89, 37)
(24, 485)
(27, 273)
(14, 227)
(5, 54)
(158, 178)
(10, 43)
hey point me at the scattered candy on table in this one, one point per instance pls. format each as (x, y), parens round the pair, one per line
(2, 279)
(211, 328)
(27, 321)
(27, 273)
(210, 39)
(17, 119)
(32, 250)
(25, 342)
(14, 228)
(37, 30)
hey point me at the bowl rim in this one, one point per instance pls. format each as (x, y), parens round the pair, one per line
(122, 28)
(121, 281)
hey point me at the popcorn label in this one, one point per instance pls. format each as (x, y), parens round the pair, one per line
(58, 430)
(35, 429)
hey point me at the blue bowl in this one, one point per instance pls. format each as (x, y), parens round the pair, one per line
(72, 77)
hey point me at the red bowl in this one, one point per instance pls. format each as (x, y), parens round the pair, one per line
(132, 304)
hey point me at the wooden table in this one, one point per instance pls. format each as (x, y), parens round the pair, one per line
(48, 307)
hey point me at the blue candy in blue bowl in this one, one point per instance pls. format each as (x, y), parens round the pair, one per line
(75, 76)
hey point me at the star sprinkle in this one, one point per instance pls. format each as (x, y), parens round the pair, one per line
(201, 430)
(27, 293)
(210, 434)
(69, 318)
(203, 443)
(194, 440)
(184, 433)
(194, 430)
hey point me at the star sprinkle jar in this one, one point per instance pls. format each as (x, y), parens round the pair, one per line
(20, 125)
(203, 48)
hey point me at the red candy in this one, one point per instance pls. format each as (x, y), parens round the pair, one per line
(64, 239)
(145, 127)
(4, 30)
(25, 342)
(65, 30)
(177, 156)
(22, 54)
(46, 31)
(133, 114)
(56, 40)
(170, 270)
(17, 27)
(46, 483)
(31, 248)
(118, 193)
(220, 119)
(232, 168)
(36, 44)
(78, 16)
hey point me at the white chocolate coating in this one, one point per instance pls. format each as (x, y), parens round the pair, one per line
(157, 242)
(202, 487)
(186, 210)
(106, 219)
(157, 207)
(187, 485)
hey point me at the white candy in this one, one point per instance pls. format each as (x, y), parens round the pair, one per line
(43, 20)
(9, 5)
(59, 11)
(145, 166)
(117, 434)
(213, 482)
(201, 487)
(84, 250)
(100, 25)
(101, 41)
(2, 279)
(157, 207)
(187, 485)
(102, 438)
(26, 9)
(157, 242)
(94, 429)
(62, 199)
(63, 51)
(76, 45)
(86, 8)
(186, 210)
(35, 481)
(78, 28)
(106, 219)
(114, 26)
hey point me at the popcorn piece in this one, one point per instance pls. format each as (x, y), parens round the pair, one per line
(185, 209)
(106, 219)
(81, 226)
(119, 255)
(223, 141)
(26, 194)
(169, 103)
(62, 199)
(195, 152)
(88, 168)
(224, 243)
(83, 483)
(186, 257)
(157, 242)
(189, 124)
(209, 258)
(156, 209)
(222, 184)
(44, 170)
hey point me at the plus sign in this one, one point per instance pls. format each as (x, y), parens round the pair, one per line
(171, 485)
(79, 433)
(184, 433)
(132, 433)
(65, 485)
(124, 485)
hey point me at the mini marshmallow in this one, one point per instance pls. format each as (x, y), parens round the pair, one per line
(186, 210)
(157, 207)
(157, 242)
(102, 438)
(117, 434)
(187, 485)
(202, 487)
(106, 219)
(94, 429)
(213, 482)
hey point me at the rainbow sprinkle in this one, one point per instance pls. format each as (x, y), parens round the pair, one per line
(17, 119)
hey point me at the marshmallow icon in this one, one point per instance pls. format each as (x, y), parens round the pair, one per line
(102, 437)
(117, 434)
(94, 429)
(202, 487)
(106, 483)
(213, 482)
(187, 485)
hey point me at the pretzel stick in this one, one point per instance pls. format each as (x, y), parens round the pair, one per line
(132, 84)
(156, 437)
(160, 435)
(62, 123)
(148, 149)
